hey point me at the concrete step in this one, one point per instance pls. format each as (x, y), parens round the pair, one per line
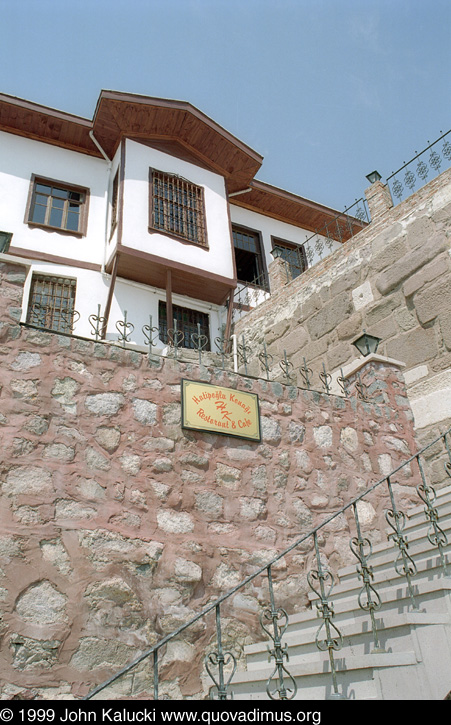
(355, 677)
(394, 632)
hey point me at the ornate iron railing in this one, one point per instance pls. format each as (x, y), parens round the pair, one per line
(340, 229)
(221, 663)
(428, 164)
(244, 356)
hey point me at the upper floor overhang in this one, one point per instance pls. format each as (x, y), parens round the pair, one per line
(176, 127)
(118, 115)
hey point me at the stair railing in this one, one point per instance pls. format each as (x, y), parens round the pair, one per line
(281, 683)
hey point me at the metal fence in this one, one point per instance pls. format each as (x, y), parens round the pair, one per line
(423, 167)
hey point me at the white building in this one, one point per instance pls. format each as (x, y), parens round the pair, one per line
(150, 210)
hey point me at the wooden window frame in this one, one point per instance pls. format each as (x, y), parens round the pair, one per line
(285, 244)
(56, 315)
(114, 202)
(260, 255)
(84, 205)
(182, 186)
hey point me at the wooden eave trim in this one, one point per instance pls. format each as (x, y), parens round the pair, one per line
(278, 217)
(46, 110)
(53, 142)
(230, 282)
(54, 259)
(206, 162)
(179, 106)
(328, 213)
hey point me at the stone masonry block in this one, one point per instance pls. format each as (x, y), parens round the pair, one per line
(414, 347)
(433, 300)
(330, 316)
(390, 278)
(420, 231)
(437, 268)
(389, 255)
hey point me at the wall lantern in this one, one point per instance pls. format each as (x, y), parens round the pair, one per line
(373, 177)
(367, 344)
(277, 252)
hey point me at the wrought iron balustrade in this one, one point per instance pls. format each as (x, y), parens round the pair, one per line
(422, 168)
(221, 662)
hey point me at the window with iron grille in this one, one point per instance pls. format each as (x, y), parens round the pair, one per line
(51, 303)
(189, 322)
(293, 254)
(177, 207)
(58, 206)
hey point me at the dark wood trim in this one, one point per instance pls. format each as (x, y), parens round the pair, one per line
(120, 200)
(131, 98)
(262, 251)
(152, 258)
(106, 314)
(169, 310)
(37, 107)
(84, 210)
(43, 257)
(228, 328)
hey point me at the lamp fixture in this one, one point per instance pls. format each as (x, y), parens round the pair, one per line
(277, 252)
(367, 344)
(373, 177)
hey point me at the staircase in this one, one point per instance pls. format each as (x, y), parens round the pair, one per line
(413, 660)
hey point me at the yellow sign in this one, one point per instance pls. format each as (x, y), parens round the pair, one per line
(213, 409)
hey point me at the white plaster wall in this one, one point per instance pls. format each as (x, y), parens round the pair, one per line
(20, 158)
(272, 227)
(218, 258)
(138, 300)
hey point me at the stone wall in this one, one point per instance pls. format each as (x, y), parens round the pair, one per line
(392, 279)
(117, 526)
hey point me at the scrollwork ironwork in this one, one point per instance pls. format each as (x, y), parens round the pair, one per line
(333, 639)
(97, 322)
(287, 369)
(124, 329)
(404, 564)
(266, 360)
(220, 660)
(368, 599)
(436, 536)
(278, 618)
(306, 374)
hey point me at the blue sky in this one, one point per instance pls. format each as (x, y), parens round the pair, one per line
(325, 90)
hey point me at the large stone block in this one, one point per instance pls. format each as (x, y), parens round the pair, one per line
(433, 300)
(330, 316)
(389, 279)
(414, 347)
(437, 268)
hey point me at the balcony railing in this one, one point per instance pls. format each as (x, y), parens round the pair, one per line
(422, 168)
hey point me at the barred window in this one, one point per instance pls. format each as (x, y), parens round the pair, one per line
(56, 205)
(178, 208)
(51, 303)
(187, 322)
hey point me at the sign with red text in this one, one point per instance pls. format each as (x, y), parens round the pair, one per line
(213, 409)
